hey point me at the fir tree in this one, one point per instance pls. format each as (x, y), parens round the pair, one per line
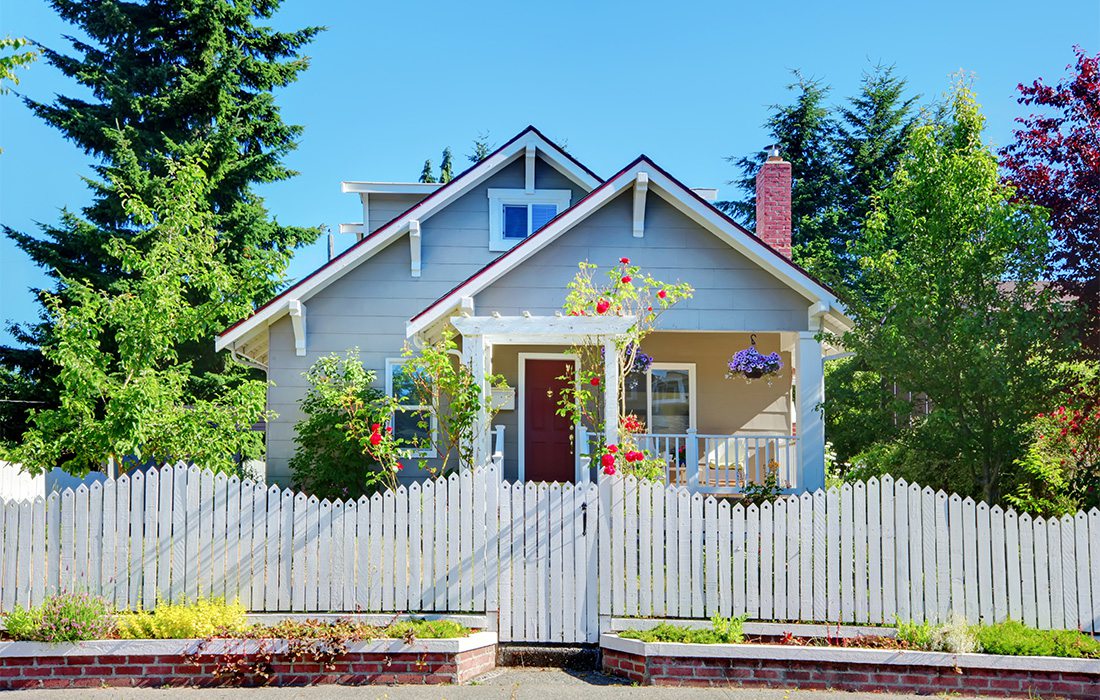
(481, 149)
(426, 174)
(446, 166)
(174, 78)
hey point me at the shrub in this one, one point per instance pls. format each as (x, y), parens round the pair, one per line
(722, 631)
(955, 636)
(203, 618)
(62, 617)
(426, 629)
(1016, 639)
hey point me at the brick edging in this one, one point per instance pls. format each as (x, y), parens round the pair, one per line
(173, 663)
(819, 668)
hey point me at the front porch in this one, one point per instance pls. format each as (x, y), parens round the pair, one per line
(712, 434)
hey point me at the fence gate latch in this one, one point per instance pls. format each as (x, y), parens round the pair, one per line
(584, 519)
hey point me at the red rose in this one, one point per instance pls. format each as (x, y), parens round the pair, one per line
(375, 438)
(389, 429)
(602, 306)
(662, 294)
(400, 466)
(624, 261)
(375, 427)
(595, 381)
(626, 279)
(612, 449)
(608, 460)
(610, 470)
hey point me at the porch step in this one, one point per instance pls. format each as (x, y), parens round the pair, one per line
(578, 657)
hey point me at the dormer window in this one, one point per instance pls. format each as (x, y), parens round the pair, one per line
(516, 214)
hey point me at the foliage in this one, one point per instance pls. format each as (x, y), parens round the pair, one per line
(1055, 163)
(1013, 638)
(1061, 467)
(722, 631)
(940, 241)
(446, 166)
(419, 628)
(156, 83)
(751, 364)
(122, 382)
(426, 174)
(955, 636)
(17, 58)
(62, 617)
(767, 491)
(859, 412)
(202, 618)
(326, 461)
(481, 149)
(627, 292)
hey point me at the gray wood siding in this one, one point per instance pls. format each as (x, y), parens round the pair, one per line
(369, 306)
(731, 292)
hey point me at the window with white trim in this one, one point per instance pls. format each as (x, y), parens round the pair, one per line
(663, 397)
(516, 214)
(413, 421)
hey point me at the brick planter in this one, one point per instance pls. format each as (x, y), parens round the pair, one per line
(172, 662)
(840, 668)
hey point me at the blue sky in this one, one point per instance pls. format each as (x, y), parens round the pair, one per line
(392, 83)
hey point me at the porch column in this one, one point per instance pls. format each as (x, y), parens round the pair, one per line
(810, 386)
(478, 357)
(610, 392)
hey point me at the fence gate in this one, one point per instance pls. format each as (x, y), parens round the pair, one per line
(547, 550)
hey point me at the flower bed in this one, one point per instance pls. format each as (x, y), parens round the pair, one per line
(848, 668)
(191, 662)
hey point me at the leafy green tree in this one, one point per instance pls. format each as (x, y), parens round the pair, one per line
(15, 59)
(446, 166)
(426, 174)
(122, 380)
(176, 77)
(939, 243)
(326, 461)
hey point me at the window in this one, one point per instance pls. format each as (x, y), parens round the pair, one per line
(516, 214)
(664, 397)
(411, 412)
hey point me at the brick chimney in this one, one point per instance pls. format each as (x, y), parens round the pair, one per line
(773, 202)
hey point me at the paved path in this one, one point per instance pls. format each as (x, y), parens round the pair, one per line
(503, 684)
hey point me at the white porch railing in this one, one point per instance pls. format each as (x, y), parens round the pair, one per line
(724, 464)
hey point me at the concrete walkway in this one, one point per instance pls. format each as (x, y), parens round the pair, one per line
(503, 684)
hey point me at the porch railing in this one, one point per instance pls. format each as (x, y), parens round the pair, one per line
(724, 464)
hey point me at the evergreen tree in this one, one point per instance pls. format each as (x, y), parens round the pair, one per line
(174, 78)
(481, 149)
(426, 174)
(446, 166)
(804, 131)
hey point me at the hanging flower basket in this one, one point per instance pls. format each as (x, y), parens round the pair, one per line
(750, 363)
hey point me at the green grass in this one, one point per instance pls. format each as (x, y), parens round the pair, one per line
(1013, 638)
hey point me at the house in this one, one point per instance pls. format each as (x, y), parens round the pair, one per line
(490, 253)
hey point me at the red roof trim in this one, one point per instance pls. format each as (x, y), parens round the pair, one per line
(529, 130)
(636, 161)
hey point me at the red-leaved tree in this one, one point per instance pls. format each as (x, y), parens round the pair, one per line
(1055, 162)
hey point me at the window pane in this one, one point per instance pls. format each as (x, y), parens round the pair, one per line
(671, 402)
(541, 214)
(406, 427)
(636, 396)
(515, 221)
(404, 389)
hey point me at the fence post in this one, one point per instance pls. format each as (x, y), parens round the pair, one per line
(691, 456)
(581, 468)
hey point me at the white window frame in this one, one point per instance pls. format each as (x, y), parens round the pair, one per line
(428, 452)
(499, 197)
(693, 398)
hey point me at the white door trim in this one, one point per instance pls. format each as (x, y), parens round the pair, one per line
(521, 419)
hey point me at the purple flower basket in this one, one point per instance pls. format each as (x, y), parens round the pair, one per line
(751, 364)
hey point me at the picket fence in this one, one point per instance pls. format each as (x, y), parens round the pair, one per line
(554, 562)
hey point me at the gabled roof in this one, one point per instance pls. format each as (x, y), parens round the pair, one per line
(676, 193)
(399, 225)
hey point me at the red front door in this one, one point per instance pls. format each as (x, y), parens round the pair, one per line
(548, 450)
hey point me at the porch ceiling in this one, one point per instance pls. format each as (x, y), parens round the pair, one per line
(547, 330)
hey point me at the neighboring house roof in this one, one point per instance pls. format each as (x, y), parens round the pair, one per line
(238, 336)
(682, 198)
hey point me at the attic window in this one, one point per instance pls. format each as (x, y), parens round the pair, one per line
(516, 214)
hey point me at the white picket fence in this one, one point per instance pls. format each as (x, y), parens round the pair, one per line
(873, 552)
(554, 562)
(15, 483)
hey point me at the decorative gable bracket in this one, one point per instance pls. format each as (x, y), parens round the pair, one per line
(641, 187)
(297, 311)
(414, 246)
(529, 169)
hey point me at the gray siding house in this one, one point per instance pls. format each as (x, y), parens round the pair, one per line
(489, 256)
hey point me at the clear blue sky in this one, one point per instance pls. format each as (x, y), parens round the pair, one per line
(392, 83)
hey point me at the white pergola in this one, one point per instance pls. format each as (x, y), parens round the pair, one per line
(480, 333)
